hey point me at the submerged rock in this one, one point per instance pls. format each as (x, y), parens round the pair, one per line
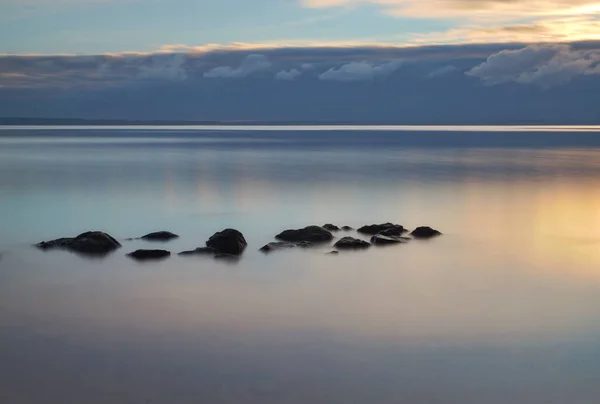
(89, 243)
(201, 251)
(379, 239)
(351, 243)
(160, 236)
(332, 253)
(425, 232)
(313, 234)
(232, 259)
(347, 228)
(282, 245)
(389, 228)
(331, 227)
(147, 255)
(228, 241)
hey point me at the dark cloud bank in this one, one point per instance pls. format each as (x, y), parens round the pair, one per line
(506, 83)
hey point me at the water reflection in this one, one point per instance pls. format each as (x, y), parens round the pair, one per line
(502, 308)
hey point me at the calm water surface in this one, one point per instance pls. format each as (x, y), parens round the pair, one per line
(504, 308)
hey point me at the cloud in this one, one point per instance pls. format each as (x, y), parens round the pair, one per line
(443, 71)
(358, 71)
(168, 67)
(288, 74)
(493, 20)
(251, 64)
(543, 65)
(473, 9)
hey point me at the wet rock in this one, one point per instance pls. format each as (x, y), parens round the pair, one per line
(331, 227)
(395, 231)
(201, 251)
(89, 243)
(389, 228)
(281, 245)
(147, 255)
(347, 228)
(351, 243)
(380, 240)
(425, 232)
(313, 234)
(160, 236)
(228, 258)
(332, 253)
(228, 241)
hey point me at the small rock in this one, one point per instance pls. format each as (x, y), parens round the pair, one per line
(313, 234)
(351, 243)
(201, 251)
(89, 243)
(281, 245)
(332, 253)
(347, 228)
(331, 227)
(147, 255)
(378, 228)
(378, 239)
(228, 241)
(425, 232)
(160, 236)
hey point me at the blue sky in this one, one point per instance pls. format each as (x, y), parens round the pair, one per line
(99, 26)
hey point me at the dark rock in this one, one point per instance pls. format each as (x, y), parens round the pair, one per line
(395, 231)
(347, 228)
(351, 243)
(280, 245)
(228, 241)
(160, 236)
(331, 227)
(146, 255)
(201, 251)
(90, 243)
(425, 232)
(232, 259)
(313, 234)
(332, 253)
(378, 228)
(378, 239)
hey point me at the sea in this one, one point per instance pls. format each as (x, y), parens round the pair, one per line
(503, 308)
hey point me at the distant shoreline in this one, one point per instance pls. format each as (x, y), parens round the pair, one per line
(19, 121)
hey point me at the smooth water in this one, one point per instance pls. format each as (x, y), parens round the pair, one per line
(504, 308)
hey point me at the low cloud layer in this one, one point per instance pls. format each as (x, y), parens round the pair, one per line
(543, 65)
(358, 71)
(251, 64)
(288, 74)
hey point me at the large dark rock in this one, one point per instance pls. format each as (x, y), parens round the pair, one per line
(89, 243)
(390, 228)
(331, 227)
(160, 236)
(201, 251)
(228, 241)
(147, 255)
(313, 234)
(425, 232)
(380, 240)
(351, 243)
(282, 245)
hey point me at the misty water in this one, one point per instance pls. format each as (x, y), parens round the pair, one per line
(503, 308)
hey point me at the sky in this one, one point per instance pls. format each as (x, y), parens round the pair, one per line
(236, 59)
